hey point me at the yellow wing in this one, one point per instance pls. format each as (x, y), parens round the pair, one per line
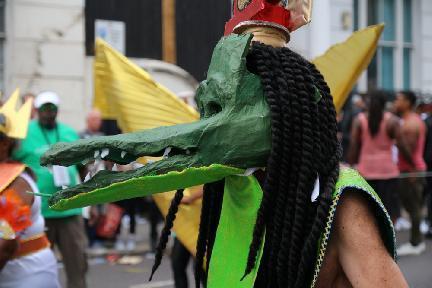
(127, 93)
(342, 64)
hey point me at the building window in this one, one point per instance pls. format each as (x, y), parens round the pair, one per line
(391, 67)
(356, 15)
(407, 43)
(2, 41)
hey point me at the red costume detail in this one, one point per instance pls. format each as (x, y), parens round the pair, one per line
(14, 212)
(259, 10)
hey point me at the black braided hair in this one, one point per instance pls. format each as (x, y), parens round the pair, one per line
(217, 190)
(166, 231)
(202, 235)
(210, 214)
(267, 58)
(304, 147)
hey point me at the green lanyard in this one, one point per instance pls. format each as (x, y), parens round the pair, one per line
(44, 133)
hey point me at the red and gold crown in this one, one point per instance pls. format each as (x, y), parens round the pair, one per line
(284, 15)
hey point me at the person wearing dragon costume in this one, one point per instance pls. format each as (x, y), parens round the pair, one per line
(277, 211)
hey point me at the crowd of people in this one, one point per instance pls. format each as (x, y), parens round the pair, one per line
(390, 145)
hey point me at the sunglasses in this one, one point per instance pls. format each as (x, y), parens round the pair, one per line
(48, 108)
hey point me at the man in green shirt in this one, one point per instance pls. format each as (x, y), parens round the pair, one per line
(64, 229)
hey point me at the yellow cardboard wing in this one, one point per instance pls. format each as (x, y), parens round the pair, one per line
(343, 63)
(127, 93)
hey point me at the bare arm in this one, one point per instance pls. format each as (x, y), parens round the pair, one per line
(355, 143)
(23, 188)
(361, 251)
(395, 132)
(197, 194)
(410, 132)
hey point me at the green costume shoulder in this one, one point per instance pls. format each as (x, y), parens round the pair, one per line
(351, 179)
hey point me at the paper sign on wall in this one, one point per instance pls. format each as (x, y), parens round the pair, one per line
(113, 32)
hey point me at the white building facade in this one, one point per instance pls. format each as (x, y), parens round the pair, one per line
(43, 49)
(42, 46)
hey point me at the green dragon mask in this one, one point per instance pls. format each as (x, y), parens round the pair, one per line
(234, 114)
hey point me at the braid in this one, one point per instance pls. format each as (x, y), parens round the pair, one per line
(304, 145)
(283, 217)
(262, 61)
(210, 214)
(302, 185)
(166, 231)
(331, 170)
(309, 249)
(202, 235)
(217, 193)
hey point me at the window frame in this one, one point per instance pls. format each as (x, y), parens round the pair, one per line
(399, 44)
(3, 44)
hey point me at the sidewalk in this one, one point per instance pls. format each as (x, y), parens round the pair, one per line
(142, 242)
(142, 247)
(416, 269)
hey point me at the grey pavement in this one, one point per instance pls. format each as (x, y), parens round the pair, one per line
(105, 274)
(416, 269)
(102, 274)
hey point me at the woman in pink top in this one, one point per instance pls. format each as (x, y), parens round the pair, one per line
(373, 137)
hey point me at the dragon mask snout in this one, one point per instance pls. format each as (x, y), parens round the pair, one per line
(234, 130)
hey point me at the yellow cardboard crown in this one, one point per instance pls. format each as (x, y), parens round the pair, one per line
(16, 124)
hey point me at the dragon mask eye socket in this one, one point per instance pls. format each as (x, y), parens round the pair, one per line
(210, 109)
(208, 100)
(213, 108)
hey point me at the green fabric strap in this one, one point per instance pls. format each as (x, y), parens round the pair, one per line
(351, 179)
(241, 201)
